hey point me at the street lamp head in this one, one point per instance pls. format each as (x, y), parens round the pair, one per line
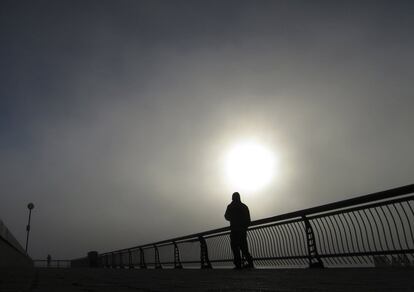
(30, 206)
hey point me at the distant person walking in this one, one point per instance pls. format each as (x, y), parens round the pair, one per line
(239, 216)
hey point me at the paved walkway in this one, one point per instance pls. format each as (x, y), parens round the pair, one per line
(105, 280)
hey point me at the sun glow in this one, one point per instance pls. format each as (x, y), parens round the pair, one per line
(249, 166)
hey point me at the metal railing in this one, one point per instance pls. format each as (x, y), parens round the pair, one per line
(371, 230)
(52, 263)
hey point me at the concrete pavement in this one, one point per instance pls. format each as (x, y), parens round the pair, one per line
(94, 280)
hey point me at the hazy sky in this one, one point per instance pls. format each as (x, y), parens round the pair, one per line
(115, 116)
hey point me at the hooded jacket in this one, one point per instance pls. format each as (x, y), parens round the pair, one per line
(239, 216)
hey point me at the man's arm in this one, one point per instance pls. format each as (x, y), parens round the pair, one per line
(227, 214)
(248, 220)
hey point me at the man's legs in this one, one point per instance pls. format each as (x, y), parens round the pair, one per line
(235, 247)
(245, 249)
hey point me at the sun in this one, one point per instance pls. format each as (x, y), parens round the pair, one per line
(249, 166)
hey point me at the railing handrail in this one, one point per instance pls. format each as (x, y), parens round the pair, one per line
(359, 200)
(53, 263)
(38, 260)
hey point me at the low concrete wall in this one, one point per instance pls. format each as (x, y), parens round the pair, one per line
(11, 252)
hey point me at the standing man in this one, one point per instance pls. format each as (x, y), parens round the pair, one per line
(239, 216)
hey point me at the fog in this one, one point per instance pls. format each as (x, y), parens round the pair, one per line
(115, 116)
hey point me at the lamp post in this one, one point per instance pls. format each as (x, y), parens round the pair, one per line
(30, 206)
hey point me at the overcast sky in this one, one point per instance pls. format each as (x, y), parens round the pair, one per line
(115, 116)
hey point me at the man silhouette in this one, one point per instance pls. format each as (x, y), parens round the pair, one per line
(239, 216)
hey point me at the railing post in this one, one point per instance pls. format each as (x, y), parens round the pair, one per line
(157, 258)
(107, 261)
(130, 264)
(113, 264)
(142, 263)
(204, 260)
(313, 256)
(177, 261)
(121, 263)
